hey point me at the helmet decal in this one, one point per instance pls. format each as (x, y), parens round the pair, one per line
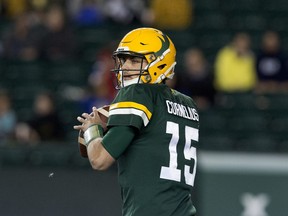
(165, 45)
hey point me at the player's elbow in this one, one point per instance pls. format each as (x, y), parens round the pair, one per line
(98, 165)
(99, 158)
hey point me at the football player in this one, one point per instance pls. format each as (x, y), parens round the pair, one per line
(153, 130)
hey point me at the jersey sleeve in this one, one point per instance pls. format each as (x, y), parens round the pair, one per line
(133, 106)
(117, 140)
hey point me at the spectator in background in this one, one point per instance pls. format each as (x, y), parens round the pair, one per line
(94, 96)
(125, 11)
(45, 125)
(85, 12)
(39, 6)
(59, 41)
(196, 79)
(101, 89)
(23, 39)
(169, 14)
(235, 66)
(271, 64)
(13, 8)
(7, 117)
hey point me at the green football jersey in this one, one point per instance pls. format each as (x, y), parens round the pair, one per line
(157, 170)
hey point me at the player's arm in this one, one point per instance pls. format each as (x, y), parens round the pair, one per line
(116, 140)
(91, 125)
(102, 152)
(98, 156)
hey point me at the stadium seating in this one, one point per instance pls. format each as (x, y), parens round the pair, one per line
(251, 122)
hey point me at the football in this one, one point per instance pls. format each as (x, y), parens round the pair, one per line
(103, 113)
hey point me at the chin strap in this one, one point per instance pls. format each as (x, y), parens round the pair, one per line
(130, 82)
(125, 83)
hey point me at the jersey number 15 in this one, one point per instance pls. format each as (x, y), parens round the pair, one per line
(172, 172)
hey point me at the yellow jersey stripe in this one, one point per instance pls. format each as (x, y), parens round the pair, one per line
(131, 105)
(123, 111)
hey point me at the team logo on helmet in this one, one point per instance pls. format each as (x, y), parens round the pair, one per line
(165, 45)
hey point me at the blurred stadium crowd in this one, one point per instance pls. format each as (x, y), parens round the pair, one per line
(55, 61)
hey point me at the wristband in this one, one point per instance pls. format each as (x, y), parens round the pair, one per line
(93, 132)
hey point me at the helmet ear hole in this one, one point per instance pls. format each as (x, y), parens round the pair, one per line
(161, 66)
(155, 73)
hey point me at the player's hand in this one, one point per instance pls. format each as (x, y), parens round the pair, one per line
(87, 120)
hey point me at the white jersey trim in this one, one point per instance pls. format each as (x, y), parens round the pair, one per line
(129, 111)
